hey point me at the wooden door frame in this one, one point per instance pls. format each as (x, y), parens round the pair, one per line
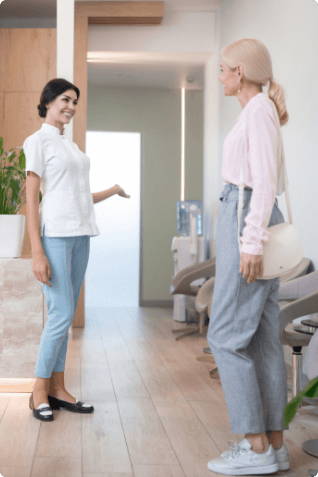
(101, 13)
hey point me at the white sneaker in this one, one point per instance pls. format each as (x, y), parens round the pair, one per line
(241, 460)
(282, 456)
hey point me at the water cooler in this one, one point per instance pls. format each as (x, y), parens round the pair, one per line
(188, 249)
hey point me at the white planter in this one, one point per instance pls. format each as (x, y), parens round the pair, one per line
(12, 228)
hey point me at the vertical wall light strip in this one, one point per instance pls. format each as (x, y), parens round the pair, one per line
(182, 142)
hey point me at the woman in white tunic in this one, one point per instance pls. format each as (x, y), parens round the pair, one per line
(60, 230)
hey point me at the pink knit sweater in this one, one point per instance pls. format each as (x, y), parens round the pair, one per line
(256, 141)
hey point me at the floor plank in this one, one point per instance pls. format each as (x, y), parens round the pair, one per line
(158, 471)
(15, 471)
(107, 474)
(190, 440)
(161, 387)
(143, 352)
(126, 379)
(55, 466)
(18, 433)
(146, 438)
(104, 446)
(214, 417)
(97, 383)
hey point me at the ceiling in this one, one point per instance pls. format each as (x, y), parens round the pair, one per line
(155, 69)
(186, 70)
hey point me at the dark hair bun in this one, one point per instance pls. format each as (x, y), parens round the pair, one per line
(42, 110)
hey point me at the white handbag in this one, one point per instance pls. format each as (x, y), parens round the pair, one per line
(283, 251)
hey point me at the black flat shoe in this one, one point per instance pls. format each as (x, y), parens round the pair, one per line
(80, 406)
(40, 413)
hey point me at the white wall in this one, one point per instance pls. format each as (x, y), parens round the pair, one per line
(289, 30)
(179, 31)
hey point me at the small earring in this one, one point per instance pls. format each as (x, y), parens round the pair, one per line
(239, 89)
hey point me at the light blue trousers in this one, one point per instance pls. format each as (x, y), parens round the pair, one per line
(243, 330)
(68, 259)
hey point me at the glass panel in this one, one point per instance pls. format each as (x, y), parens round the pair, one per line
(112, 276)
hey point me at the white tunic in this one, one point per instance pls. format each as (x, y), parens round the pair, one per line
(67, 207)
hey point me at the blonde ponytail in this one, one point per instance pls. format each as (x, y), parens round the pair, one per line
(253, 55)
(276, 94)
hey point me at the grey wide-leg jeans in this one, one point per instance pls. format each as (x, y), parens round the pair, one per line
(243, 331)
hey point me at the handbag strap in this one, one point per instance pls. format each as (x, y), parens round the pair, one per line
(241, 189)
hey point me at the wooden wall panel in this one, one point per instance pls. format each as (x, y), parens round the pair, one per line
(80, 120)
(27, 63)
(80, 78)
(127, 11)
(21, 118)
(27, 58)
(1, 114)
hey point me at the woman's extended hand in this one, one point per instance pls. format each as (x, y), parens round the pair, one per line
(251, 266)
(121, 192)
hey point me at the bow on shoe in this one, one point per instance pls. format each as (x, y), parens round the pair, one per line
(235, 450)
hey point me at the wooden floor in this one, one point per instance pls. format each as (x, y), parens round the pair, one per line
(157, 413)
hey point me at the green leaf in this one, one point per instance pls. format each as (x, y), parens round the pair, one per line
(291, 410)
(11, 157)
(22, 159)
(311, 391)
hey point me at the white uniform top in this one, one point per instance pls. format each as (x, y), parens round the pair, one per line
(67, 207)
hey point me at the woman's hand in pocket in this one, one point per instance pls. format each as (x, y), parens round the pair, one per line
(251, 266)
(41, 268)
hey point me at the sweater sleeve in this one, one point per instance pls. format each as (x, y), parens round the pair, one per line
(263, 138)
(34, 155)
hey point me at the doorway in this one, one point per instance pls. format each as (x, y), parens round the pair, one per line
(113, 273)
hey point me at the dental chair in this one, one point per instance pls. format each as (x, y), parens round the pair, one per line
(299, 298)
(181, 285)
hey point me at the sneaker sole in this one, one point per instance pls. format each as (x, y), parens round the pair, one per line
(269, 469)
(284, 466)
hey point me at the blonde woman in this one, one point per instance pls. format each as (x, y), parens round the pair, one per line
(244, 330)
(60, 231)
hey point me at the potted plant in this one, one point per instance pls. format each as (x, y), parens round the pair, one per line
(12, 179)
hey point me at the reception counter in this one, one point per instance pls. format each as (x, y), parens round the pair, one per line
(23, 314)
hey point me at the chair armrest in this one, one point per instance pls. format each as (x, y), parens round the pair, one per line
(299, 287)
(191, 290)
(181, 282)
(298, 308)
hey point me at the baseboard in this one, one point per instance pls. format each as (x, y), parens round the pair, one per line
(157, 303)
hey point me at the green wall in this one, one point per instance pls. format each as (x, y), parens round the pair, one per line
(156, 113)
